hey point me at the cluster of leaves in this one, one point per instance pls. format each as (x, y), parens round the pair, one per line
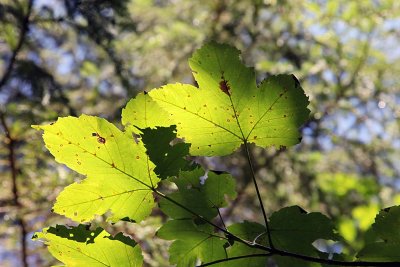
(124, 170)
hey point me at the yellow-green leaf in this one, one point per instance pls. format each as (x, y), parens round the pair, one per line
(229, 108)
(119, 174)
(142, 112)
(102, 250)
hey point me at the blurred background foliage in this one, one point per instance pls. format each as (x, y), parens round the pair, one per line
(67, 57)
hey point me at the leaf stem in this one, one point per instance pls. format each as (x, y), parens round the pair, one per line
(246, 146)
(220, 217)
(235, 258)
(244, 139)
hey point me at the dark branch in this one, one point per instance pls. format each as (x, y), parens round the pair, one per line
(235, 258)
(10, 143)
(17, 49)
(332, 262)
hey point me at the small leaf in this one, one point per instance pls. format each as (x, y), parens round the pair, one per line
(169, 159)
(119, 174)
(387, 224)
(193, 200)
(294, 230)
(192, 242)
(200, 197)
(66, 245)
(386, 227)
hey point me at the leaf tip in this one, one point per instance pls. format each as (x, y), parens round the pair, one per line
(37, 127)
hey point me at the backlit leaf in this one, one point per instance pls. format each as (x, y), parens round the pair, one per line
(229, 108)
(119, 174)
(66, 245)
(142, 112)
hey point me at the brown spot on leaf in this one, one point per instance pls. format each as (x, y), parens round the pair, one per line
(100, 139)
(224, 86)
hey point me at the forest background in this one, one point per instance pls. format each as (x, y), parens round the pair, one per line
(68, 57)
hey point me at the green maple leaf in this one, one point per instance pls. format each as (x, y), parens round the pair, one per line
(386, 227)
(78, 246)
(202, 197)
(228, 108)
(192, 242)
(119, 174)
(169, 159)
(293, 229)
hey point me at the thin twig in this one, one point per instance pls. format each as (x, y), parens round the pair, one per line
(246, 146)
(235, 258)
(310, 259)
(333, 262)
(197, 215)
(244, 139)
(221, 219)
